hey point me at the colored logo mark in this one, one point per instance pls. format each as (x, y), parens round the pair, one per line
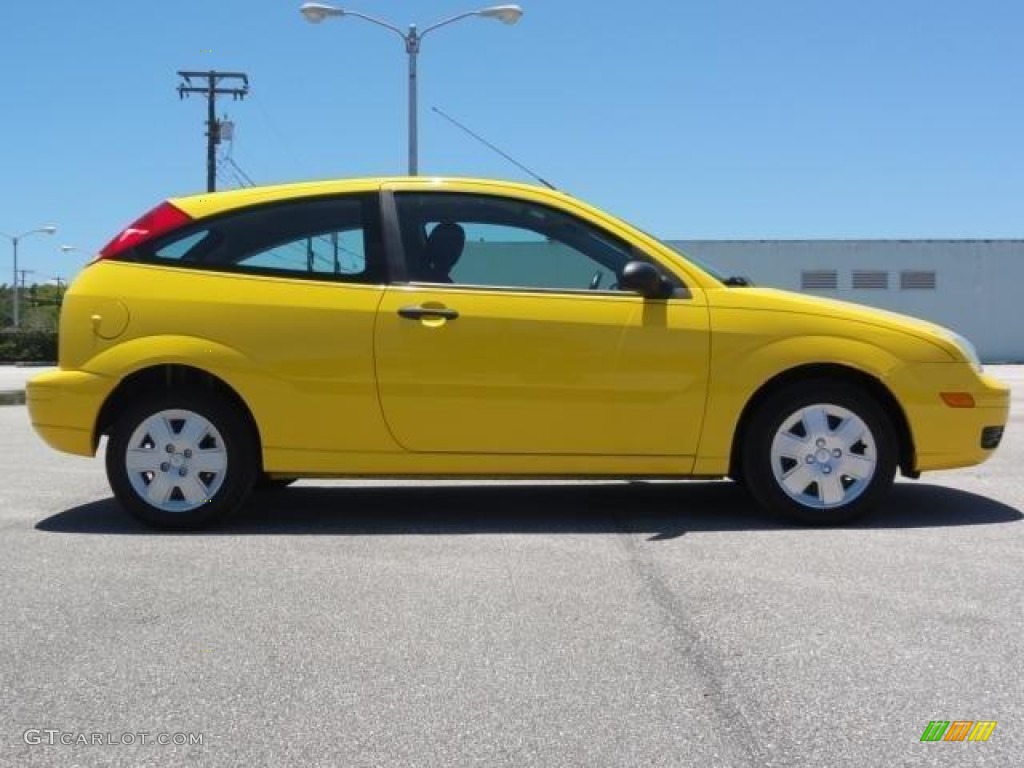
(958, 730)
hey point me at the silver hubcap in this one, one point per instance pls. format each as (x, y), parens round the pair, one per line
(823, 456)
(176, 460)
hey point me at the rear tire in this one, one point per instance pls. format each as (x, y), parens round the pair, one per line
(181, 460)
(820, 451)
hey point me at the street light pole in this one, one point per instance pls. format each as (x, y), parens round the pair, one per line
(48, 230)
(317, 12)
(412, 47)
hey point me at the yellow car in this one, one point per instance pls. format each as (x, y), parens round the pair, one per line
(425, 327)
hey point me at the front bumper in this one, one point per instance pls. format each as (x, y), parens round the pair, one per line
(63, 407)
(946, 437)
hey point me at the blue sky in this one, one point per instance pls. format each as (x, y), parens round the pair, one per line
(693, 119)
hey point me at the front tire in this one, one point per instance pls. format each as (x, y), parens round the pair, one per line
(181, 460)
(822, 452)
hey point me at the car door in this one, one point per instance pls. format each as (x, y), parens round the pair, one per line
(510, 336)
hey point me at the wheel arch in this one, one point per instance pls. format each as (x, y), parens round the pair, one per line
(166, 377)
(833, 372)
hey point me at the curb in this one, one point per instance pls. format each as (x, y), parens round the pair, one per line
(12, 397)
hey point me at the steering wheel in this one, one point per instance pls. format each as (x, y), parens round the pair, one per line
(595, 281)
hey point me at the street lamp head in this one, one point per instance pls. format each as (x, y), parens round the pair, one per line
(317, 12)
(507, 14)
(50, 230)
(68, 248)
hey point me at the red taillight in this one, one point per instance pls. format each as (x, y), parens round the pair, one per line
(162, 219)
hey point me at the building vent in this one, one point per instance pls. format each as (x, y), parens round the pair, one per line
(819, 280)
(917, 280)
(870, 279)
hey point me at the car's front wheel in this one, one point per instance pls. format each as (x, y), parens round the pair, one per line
(820, 451)
(181, 460)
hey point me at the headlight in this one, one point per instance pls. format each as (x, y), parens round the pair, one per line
(966, 349)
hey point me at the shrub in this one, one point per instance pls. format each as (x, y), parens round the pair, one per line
(28, 346)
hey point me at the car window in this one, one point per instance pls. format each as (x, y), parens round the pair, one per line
(336, 252)
(176, 249)
(492, 241)
(323, 238)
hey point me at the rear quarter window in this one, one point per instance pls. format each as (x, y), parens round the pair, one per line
(321, 238)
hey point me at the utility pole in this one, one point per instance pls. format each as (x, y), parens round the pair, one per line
(61, 283)
(22, 273)
(212, 90)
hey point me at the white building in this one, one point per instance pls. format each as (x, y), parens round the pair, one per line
(971, 286)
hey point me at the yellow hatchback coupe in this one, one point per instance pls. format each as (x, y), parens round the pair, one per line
(425, 327)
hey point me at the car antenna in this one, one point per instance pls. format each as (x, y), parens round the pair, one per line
(488, 144)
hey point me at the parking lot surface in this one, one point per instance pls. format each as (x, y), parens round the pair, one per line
(510, 624)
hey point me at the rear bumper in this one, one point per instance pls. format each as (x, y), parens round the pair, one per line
(63, 407)
(947, 437)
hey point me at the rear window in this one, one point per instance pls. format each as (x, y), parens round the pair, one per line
(320, 238)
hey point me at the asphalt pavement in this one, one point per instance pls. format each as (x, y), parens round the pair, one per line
(509, 624)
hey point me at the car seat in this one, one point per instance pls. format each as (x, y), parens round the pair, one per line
(443, 250)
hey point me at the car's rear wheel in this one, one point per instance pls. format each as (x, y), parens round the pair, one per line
(181, 460)
(820, 451)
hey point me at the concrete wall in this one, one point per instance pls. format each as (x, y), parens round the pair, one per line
(979, 284)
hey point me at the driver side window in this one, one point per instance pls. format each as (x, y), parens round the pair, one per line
(490, 241)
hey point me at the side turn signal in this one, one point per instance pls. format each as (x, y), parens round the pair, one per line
(958, 399)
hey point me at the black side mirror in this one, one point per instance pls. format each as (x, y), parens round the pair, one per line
(645, 279)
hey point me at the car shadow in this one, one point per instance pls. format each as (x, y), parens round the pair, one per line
(662, 510)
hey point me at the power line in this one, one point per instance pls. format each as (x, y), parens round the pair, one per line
(243, 174)
(284, 139)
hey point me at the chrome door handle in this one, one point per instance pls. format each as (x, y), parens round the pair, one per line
(418, 313)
